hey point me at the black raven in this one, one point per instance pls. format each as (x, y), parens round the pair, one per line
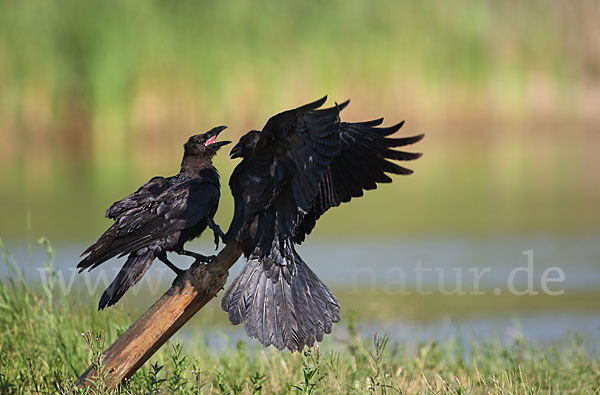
(161, 216)
(303, 162)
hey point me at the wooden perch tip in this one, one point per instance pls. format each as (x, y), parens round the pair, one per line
(189, 293)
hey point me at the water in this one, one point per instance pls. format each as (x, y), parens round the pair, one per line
(358, 263)
(541, 329)
(410, 265)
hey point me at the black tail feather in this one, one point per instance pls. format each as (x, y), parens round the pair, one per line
(132, 271)
(287, 314)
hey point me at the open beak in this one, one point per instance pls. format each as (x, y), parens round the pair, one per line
(236, 151)
(213, 133)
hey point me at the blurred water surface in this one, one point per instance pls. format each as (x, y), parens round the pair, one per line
(378, 280)
(361, 264)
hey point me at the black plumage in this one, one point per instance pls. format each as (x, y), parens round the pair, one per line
(161, 216)
(301, 164)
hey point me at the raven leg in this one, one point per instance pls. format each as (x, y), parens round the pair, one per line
(216, 231)
(163, 258)
(198, 257)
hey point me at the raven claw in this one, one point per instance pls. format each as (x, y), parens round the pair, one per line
(218, 233)
(216, 240)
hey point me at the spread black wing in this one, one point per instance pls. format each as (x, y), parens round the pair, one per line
(365, 156)
(292, 154)
(152, 219)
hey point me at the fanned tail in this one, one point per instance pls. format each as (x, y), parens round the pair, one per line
(281, 301)
(132, 271)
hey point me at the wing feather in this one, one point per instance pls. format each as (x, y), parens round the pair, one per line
(175, 209)
(364, 160)
(146, 193)
(296, 148)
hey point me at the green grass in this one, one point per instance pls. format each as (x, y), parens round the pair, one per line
(46, 341)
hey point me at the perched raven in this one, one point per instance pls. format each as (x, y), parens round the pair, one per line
(303, 162)
(161, 216)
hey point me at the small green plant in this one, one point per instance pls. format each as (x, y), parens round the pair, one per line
(256, 383)
(378, 378)
(176, 382)
(6, 387)
(200, 379)
(153, 381)
(310, 370)
(50, 282)
(96, 342)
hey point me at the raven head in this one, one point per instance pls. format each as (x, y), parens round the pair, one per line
(205, 143)
(246, 145)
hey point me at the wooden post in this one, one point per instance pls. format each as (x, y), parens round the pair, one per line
(188, 294)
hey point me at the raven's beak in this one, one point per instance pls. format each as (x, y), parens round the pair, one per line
(213, 133)
(236, 151)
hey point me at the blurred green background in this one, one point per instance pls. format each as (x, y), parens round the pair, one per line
(97, 97)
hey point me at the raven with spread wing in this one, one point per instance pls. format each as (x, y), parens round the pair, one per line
(161, 216)
(302, 163)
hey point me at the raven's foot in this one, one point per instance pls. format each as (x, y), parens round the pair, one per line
(200, 257)
(218, 233)
(170, 265)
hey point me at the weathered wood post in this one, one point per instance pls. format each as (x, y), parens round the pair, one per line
(188, 294)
